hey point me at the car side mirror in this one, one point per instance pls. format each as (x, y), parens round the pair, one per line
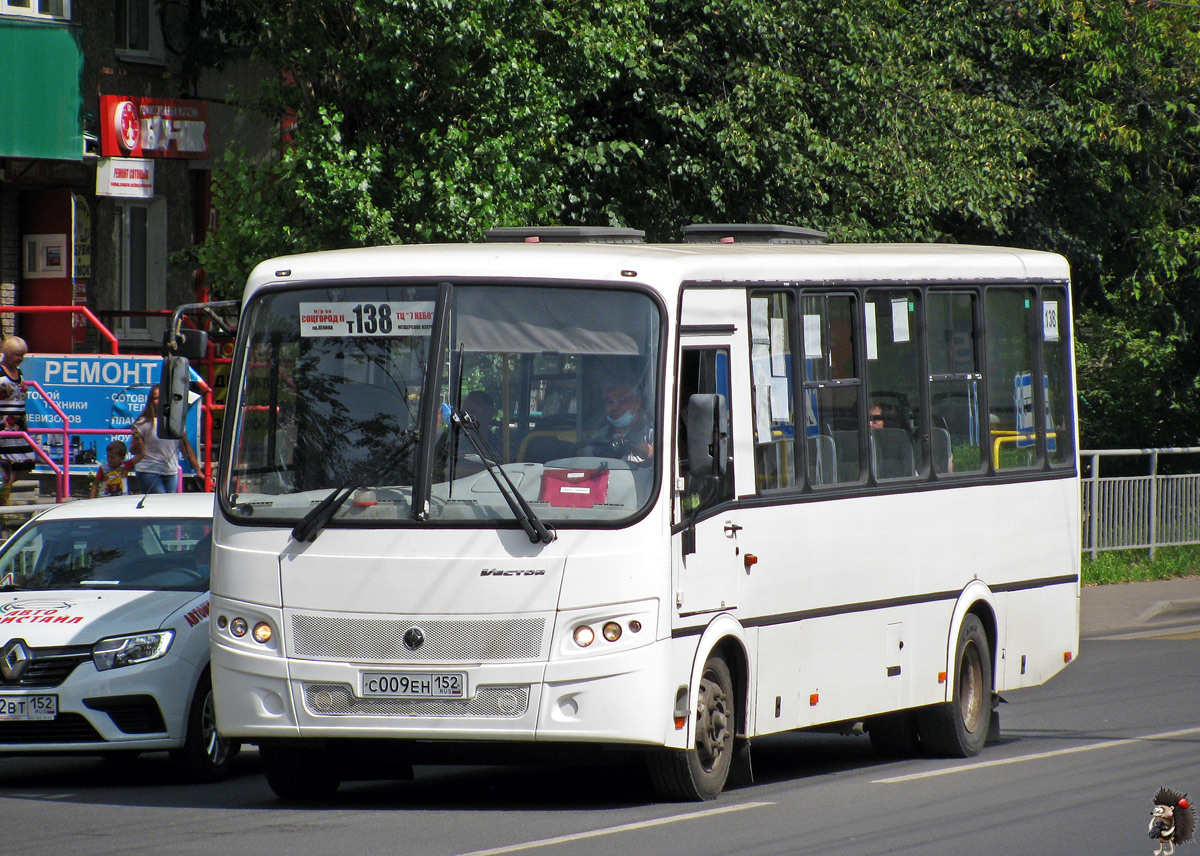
(708, 435)
(173, 398)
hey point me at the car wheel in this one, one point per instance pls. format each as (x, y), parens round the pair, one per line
(206, 756)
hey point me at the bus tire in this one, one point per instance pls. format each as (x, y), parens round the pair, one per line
(298, 769)
(959, 727)
(700, 773)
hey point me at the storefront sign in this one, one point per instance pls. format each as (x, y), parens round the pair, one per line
(82, 257)
(133, 127)
(97, 391)
(129, 177)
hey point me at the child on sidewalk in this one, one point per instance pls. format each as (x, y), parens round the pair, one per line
(112, 478)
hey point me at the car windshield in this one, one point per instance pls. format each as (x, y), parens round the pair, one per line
(525, 391)
(108, 553)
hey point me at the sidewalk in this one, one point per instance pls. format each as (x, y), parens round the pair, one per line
(1135, 609)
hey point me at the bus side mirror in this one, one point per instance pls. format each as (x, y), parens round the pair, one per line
(173, 398)
(189, 344)
(708, 436)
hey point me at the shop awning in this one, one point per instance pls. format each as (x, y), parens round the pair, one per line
(41, 94)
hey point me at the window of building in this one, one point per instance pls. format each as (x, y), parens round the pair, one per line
(141, 263)
(138, 32)
(58, 10)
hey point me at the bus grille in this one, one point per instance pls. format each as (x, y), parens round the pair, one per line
(322, 637)
(339, 700)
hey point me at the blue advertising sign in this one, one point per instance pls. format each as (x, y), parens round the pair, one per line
(95, 391)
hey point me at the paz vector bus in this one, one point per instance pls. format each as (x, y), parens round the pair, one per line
(565, 487)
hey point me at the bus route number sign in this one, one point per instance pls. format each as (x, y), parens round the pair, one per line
(365, 318)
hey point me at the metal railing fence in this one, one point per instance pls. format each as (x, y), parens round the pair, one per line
(1142, 511)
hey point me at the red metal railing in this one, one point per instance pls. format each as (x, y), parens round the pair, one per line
(74, 310)
(62, 474)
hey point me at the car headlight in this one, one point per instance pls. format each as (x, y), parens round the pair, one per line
(129, 650)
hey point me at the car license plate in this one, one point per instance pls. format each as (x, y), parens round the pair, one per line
(414, 685)
(22, 708)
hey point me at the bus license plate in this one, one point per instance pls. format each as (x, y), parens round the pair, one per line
(24, 708)
(414, 685)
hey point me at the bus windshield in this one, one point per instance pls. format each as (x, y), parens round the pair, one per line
(549, 392)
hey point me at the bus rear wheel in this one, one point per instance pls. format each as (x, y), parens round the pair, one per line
(700, 773)
(299, 769)
(959, 728)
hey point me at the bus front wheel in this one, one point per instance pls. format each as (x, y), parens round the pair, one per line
(959, 728)
(298, 769)
(700, 773)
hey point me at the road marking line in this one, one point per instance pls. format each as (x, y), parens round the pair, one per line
(1000, 762)
(611, 830)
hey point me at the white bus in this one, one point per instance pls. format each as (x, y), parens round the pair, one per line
(564, 487)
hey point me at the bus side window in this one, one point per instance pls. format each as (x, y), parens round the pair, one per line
(1010, 315)
(831, 390)
(702, 371)
(954, 381)
(894, 384)
(774, 420)
(1056, 363)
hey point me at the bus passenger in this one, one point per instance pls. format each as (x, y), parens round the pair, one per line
(884, 415)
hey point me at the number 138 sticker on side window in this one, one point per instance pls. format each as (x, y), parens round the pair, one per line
(412, 318)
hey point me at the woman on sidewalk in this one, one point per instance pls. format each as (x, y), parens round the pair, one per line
(17, 457)
(158, 470)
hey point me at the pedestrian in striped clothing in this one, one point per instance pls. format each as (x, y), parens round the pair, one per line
(16, 454)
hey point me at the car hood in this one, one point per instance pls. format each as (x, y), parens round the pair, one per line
(77, 617)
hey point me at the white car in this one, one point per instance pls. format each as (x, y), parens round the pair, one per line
(104, 632)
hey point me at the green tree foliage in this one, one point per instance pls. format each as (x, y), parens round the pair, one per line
(1061, 125)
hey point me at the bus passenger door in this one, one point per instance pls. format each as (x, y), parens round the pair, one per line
(706, 519)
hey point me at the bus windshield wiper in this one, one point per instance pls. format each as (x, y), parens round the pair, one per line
(534, 528)
(321, 513)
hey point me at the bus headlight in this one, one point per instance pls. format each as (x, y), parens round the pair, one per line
(130, 650)
(263, 632)
(601, 630)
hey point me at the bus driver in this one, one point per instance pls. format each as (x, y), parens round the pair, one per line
(628, 432)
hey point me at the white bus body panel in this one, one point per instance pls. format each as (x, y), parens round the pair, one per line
(572, 694)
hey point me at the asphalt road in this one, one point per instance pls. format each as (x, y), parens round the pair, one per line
(1079, 762)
